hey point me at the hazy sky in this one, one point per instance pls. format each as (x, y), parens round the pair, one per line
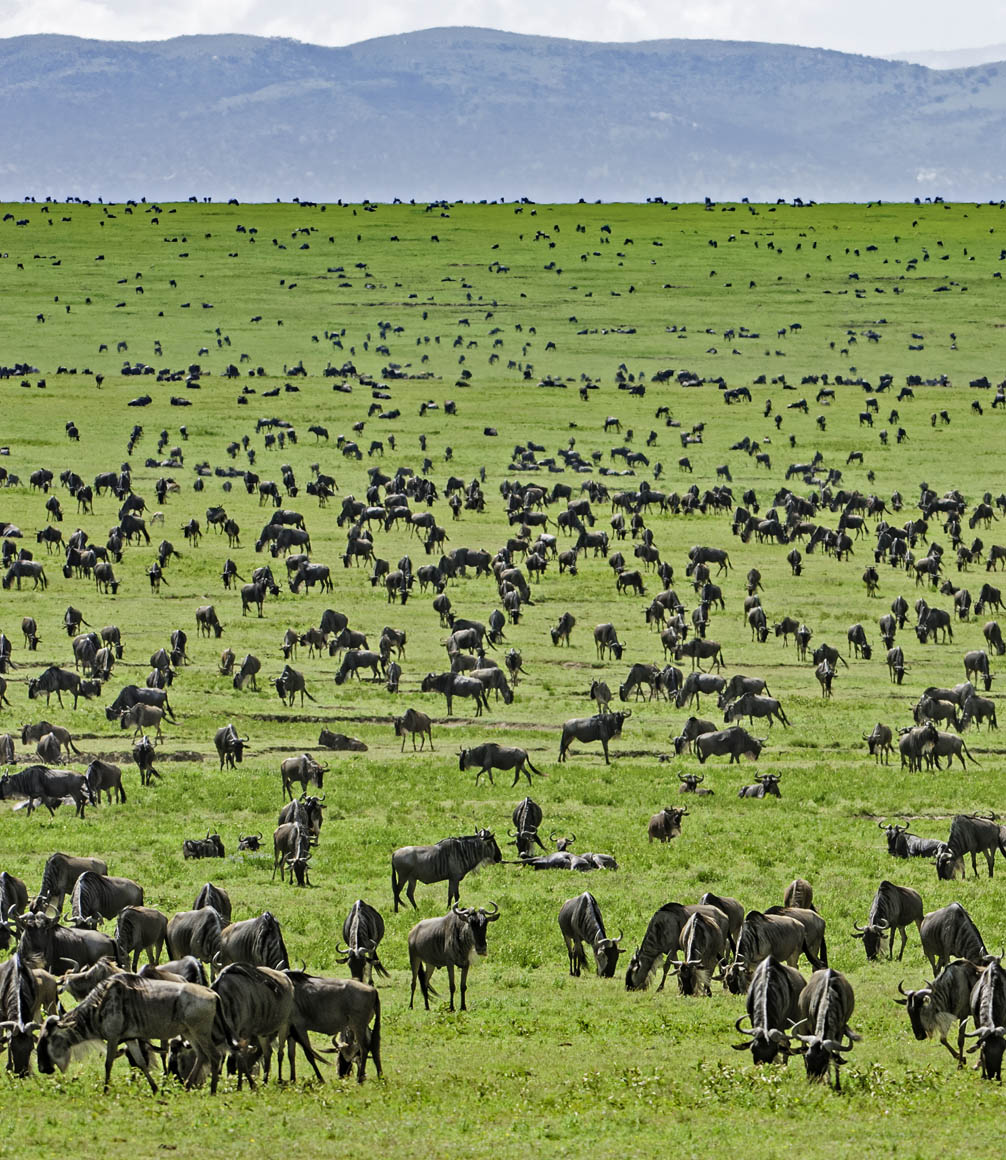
(874, 27)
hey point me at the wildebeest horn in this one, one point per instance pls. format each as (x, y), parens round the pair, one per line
(880, 825)
(737, 1024)
(621, 935)
(495, 912)
(627, 713)
(857, 927)
(551, 836)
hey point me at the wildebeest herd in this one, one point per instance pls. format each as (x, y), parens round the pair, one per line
(517, 554)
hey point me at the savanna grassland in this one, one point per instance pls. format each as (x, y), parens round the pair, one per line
(483, 305)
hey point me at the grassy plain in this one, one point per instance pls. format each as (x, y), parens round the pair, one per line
(511, 294)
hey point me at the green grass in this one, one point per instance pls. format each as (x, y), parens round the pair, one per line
(582, 1061)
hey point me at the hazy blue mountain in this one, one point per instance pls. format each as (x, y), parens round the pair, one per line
(955, 57)
(472, 113)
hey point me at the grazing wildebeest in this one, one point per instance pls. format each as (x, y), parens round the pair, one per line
(702, 944)
(207, 621)
(302, 768)
(456, 685)
(455, 940)
(127, 1007)
(826, 1005)
(971, 834)
(606, 639)
(580, 921)
(894, 908)
(772, 1009)
(363, 930)
(449, 860)
(735, 741)
(988, 1013)
(48, 786)
(138, 929)
(662, 937)
(341, 1008)
(600, 727)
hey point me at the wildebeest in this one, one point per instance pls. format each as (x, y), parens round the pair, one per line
(916, 744)
(491, 755)
(230, 746)
(48, 786)
(342, 1008)
(936, 1005)
(137, 929)
(749, 705)
(894, 908)
(950, 933)
(56, 947)
(413, 722)
(988, 1013)
(826, 1005)
(662, 937)
(456, 685)
(60, 873)
(141, 717)
(55, 680)
(580, 921)
(772, 1008)
(102, 896)
(606, 640)
(196, 932)
(126, 1007)
(971, 834)
(735, 741)
(455, 940)
(449, 860)
(302, 768)
(761, 935)
(702, 944)
(363, 930)
(209, 847)
(207, 621)
(879, 743)
(600, 727)
(254, 940)
(666, 825)
(289, 683)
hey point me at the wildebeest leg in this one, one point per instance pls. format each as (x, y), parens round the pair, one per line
(604, 746)
(450, 979)
(671, 958)
(990, 857)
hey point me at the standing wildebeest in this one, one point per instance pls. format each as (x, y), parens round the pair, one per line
(950, 933)
(988, 1013)
(971, 834)
(764, 934)
(580, 921)
(456, 940)
(772, 1008)
(58, 877)
(735, 741)
(976, 663)
(207, 622)
(700, 650)
(142, 717)
(289, 683)
(449, 860)
(894, 908)
(666, 825)
(291, 844)
(20, 1001)
(412, 721)
(229, 745)
(916, 744)
(55, 680)
(826, 1006)
(363, 930)
(126, 1007)
(59, 947)
(561, 631)
(336, 1007)
(196, 933)
(879, 743)
(139, 928)
(356, 659)
(491, 755)
(456, 685)
(606, 639)
(702, 944)
(101, 896)
(527, 817)
(258, 941)
(304, 769)
(600, 727)
(751, 706)
(254, 1009)
(979, 709)
(934, 1007)
(48, 786)
(662, 937)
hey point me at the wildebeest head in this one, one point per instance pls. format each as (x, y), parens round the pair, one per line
(764, 1043)
(818, 1053)
(21, 1038)
(920, 1009)
(53, 1047)
(478, 921)
(949, 865)
(250, 842)
(489, 838)
(873, 936)
(606, 951)
(992, 1044)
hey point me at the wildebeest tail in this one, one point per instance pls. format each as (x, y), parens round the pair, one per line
(70, 745)
(527, 761)
(396, 886)
(375, 1035)
(309, 697)
(969, 754)
(824, 950)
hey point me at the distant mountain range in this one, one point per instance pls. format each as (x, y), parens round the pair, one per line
(955, 58)
(471, 113)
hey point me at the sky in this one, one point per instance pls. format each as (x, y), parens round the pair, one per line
(871, 27)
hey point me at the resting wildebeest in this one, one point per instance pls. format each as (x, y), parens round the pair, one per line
(491, 755)
(600, 727)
